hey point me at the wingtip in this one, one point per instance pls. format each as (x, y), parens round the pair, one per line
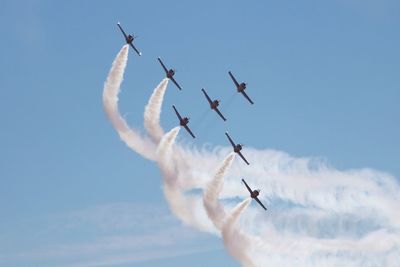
(140, 53)
(118, 23)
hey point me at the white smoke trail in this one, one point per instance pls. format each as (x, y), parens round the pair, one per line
(350, 245)
(152, 112)
(110, 102)
(320, 216)
(299, 182)
(164, 152)
(214, 209)
(186, 208)
(235, 241)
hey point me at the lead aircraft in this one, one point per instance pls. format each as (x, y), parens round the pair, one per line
(129, 39)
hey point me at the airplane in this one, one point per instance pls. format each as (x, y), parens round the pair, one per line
(240, 87)
(213, 104)
(183, 122)
(237, 148)
(129, 39)
(170, 74)
(254, 194)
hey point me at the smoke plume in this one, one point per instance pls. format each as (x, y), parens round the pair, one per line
(152, 112)
(318, 216)
(214, 209)
(110, 102)
(236, 242)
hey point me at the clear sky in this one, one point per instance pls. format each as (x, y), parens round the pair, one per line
(324, 76)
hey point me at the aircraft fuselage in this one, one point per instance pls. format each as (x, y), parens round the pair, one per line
(241, 87)
(214, 104)
(184, 121)
(255, 193)
(170, 73)
(129, 39)
(237, 148)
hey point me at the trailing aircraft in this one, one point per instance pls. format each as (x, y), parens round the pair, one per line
(213, 104)
(170, 74)
(240, 87)
(237, 148)
(254, 194)
(183, 121)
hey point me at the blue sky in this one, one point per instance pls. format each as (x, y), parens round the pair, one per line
(324, 78)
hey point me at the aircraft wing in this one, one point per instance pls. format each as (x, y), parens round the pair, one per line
(246, 96)
(134, 48)
(177, 113)
(233, 79)
(220, 114)
(259, 202)
(162, 64)
(176, 83)
(189, 131)
(243, 158)
(230, 139)
(119, 26)
(247, 186)
(205, 94)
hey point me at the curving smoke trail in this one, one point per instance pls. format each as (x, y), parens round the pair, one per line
(132, 138)
(236, 242)
(152, 112)
(164, 159)
(363, 198)
(214, 209)
(320, 216)
(184, 207)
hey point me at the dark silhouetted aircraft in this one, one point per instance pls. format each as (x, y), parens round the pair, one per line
(183, 122)
(240, 87)
(170, 74)
(254, 194)
(213, 104)
(129, 39)
(237, 148)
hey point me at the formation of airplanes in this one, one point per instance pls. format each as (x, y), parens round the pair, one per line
(214, 104)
